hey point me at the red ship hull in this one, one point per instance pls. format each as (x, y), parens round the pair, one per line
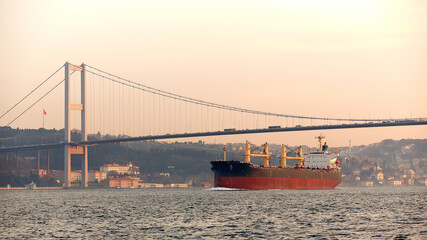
(265, 183)
(239, 175)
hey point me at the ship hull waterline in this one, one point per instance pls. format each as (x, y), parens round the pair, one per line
(238, 175)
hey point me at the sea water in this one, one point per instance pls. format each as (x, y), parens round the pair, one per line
(342, 213)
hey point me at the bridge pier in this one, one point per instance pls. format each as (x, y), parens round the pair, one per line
(67, 167)
(85, 175)
(68, 152)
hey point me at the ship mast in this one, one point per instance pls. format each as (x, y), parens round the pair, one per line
(247, 156)
(225, 153)
(300, 158)
(283, 156)
(320, 141)
(267, 156)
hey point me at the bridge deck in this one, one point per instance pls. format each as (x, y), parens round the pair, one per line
(218, 133)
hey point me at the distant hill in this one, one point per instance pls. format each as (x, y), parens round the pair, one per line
(386, 149)
(402, 155)
(192, 158)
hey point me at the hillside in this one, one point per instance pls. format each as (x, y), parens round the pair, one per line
(191, 159)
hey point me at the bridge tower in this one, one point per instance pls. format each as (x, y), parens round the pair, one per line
(82, 107)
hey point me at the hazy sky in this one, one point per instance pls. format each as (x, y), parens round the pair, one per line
(315, 58)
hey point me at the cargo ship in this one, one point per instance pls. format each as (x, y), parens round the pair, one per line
(314, 170)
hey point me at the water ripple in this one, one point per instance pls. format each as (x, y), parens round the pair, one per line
(344, 213)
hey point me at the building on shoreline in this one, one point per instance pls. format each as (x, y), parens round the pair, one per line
(120, 169)
(76, 176)
(123, 182)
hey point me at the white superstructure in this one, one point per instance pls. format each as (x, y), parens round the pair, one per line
(321, 159)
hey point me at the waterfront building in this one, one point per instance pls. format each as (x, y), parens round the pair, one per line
(368, 183)
(179, 185)
(123, 182)
(97, 176)
(151, 185)
(40, 173)
(120, 169)
(76, 176)
(93, 176)
(377, 175)
(397, 183)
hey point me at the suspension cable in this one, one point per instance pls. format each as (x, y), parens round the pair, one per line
(31, 92)
(38, 100)
(210, 104)
(35, 102)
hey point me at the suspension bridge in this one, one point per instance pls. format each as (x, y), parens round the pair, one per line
(96, 101)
